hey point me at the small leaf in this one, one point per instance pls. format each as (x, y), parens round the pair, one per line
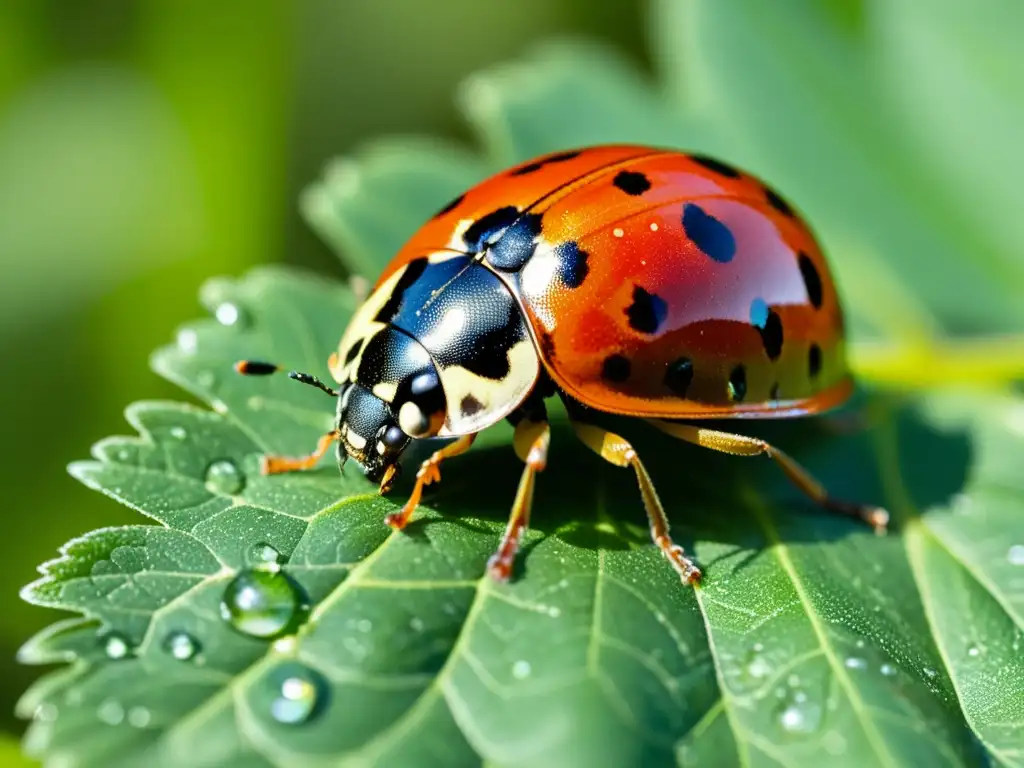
(812, 639)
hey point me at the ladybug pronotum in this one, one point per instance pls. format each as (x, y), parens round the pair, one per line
(623, 279)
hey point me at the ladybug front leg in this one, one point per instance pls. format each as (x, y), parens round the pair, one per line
(740, 445)
(531, 442)
(275, 465)
(617, 451)
(429, 472)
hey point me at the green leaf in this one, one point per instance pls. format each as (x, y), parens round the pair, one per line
(812, 638)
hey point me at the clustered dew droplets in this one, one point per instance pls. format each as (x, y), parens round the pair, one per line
(799, 714)
(181, 645)
(223, 476)
(297, 697)
(261, 602)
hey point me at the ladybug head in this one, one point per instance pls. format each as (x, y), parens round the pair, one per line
(390, 403)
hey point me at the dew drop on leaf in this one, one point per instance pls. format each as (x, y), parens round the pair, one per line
(888, 670)
(297, 697)
(521, 669)
(206, 379)
(1016, 554)
(139, 717)
(178, 433)
(757, 665)
(854, 662)
(974, 651)
(181, 645)
(225, 477)
(929, 672)
(110, 712)
(115, 646)
(263, 555)
(799, 714)
(261, 603)
(187, 341)
(231, 314)
(416, 624)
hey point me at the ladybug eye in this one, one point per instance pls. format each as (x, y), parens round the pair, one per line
(390, 439)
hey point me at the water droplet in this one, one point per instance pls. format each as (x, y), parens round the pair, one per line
(139, 717)
(181, 645)
(888, 670)
(757, 665)
(286, 646)
(563, 584)
(223, 476)
(123, 455)
(230, 314)
(974, 651)
(860, 643)
(416, 624)
(263, 555)
(110, 712)
(261, 603)
(1016, 554)
(178, 433)
(115, 646)
(929, 672)
(206, 379)
(554, 611)
(800, 715)
(854, 662)
(521, 669)
(187, 341)
(297, 697)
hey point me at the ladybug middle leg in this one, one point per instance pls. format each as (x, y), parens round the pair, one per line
(531, 442)
(740, 445)
(616, 450)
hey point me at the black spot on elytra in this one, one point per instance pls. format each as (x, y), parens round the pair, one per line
(525, 169)
(470, 406)
(738, 384)
(647, 312)
(516, 245)
(716, 165)
(615, 368)
(814, 360)
(484, 228)
(771, 335)
(413, 271)
(353, 351)
(708, 233)
(450, 207)
(536, 165)
(812, 280)
(679, 376)
(572, 267)
(547, 345)
(631, 182)
(777, 202)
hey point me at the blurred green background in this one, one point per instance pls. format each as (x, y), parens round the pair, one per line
(148, 144)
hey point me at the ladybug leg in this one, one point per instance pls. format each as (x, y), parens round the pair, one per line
(740, 445)
(616, 450)
(531, 445)
(429, 472)
(275, 465)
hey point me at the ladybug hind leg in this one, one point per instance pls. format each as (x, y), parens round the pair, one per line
(616, 450)
(740, 445)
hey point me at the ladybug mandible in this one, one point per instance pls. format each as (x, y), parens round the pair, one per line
(623, 279)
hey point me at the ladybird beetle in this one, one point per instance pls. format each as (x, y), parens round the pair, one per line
(624, 279)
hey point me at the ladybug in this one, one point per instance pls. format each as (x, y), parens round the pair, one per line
(629, 280)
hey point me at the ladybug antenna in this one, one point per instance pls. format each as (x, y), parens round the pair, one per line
(257, 368)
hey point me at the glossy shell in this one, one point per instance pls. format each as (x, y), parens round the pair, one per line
(654, 283)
